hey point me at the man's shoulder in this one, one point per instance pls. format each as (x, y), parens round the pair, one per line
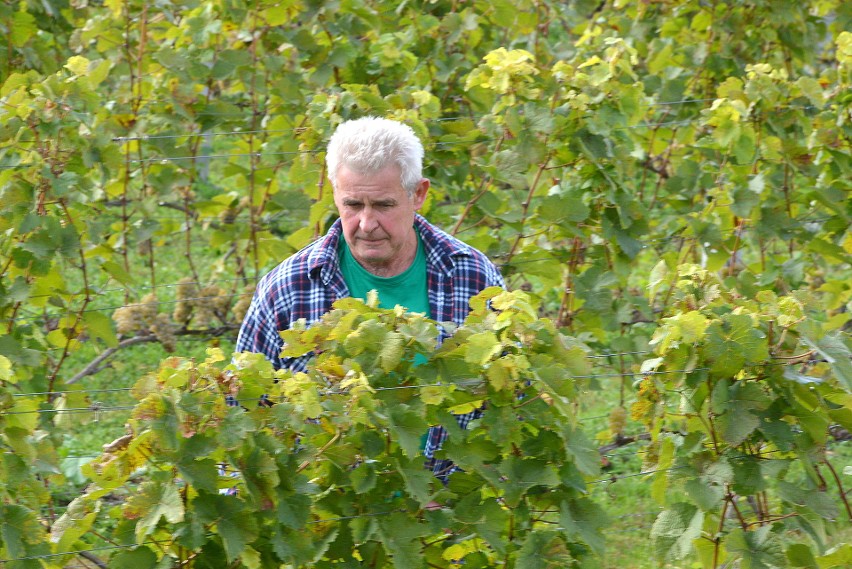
(297, 267)
(439, 242)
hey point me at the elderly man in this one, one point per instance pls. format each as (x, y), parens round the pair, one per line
(375, 169)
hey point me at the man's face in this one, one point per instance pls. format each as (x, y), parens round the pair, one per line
(378, 216)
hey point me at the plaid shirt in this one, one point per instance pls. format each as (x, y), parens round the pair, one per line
(306, 284)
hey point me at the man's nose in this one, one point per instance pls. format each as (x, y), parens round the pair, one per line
(367, 223)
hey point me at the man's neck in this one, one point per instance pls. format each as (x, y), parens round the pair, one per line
(393, 268)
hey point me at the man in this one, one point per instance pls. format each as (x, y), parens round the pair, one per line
(375, 169)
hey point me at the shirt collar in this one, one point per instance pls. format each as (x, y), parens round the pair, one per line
(439, 247)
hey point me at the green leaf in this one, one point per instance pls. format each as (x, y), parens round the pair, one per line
(22, 534)
(201, 473)
(408, 428)
(117, 272)
(140, 558)
(759, 549)
(748, 476)
(294, 510)
(833, 349)
(23, 28)
(586, 457)
(741, 403)
(829, 249)
(539, 551)
(100, 326)
(77, 519)
(582, 518)
(418, 480)
(705, 495)
(5, 369)
(481, 348)
(392, 349)
(520, 475)
(837, 557)
(363, 478)
(235, 524)
(658, 276)
(733, 343)
(800, 555)
(675, 529)
(400, 536)
(154, 501)
(302, 548)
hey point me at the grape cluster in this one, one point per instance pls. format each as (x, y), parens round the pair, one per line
(148, 309)
(186, 292)
(163, 329)
(128, 319)
(617, 421)
(134, 318)
(242, 305)
(141, 318)
(211, 304)
(644, 408)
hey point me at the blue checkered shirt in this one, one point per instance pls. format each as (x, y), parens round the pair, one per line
(306, 284)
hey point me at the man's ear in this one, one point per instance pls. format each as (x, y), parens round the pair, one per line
(420, 192)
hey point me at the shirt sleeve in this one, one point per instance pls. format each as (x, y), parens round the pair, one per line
(259, 330)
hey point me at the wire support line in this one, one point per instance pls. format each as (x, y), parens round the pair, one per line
(165, 159)
(72, 391)
(673, 468)
(151, 287)
(91, 409)
(475, 119)
(195, 135)
(133, 304)
(356, 517)
(467, 383)
(681, 102)
(619, 354)
(134, 545)
(440, 144)
(79, 551)
(248, 281)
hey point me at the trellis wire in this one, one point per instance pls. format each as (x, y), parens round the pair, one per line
(468, 383)
(238, 294)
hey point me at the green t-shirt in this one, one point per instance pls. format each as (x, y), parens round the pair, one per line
(407, 289)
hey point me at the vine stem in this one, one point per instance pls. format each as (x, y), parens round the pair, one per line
(511, 536)
(682, 255)
(839, 488)
(771, 520)
(711, 427)
(526, 205)
(732, 499)
(717, 540)
(51, 381)
(92, 558)
(566, 308)
(252, 155)
(732, 261)
(482, 191)
(324, 448)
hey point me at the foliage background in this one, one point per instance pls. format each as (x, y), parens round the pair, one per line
(650, 173)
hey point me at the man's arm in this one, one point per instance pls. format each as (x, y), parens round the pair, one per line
(259, 330)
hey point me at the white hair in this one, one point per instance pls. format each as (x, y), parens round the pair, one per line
(370, 144)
